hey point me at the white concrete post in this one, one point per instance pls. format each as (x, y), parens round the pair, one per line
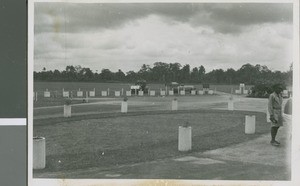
(47, 94)
(39, 153)
(141, 93)
(185, 138)
(79, 93)
(104, 93)
(92, 93)
(230, 103)
(122, 92)
(124, 106)
(108, 91)
(152, 92)
(87, 96)
(174, 104)
(128, 93)
(250, 124)
(117, 93)
(67, 111)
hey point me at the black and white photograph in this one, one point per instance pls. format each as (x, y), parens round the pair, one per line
(161, 91)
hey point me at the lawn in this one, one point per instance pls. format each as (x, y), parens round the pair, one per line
(108, 140)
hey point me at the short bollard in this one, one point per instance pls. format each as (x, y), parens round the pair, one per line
(39, 153)
(104, 93)
(117, 93)
(87, 97)
(47, 94)
(185, 138)
(128, 93)
(250, 124)
(175, 104)
(124, 106)
(67, 111)
(230, 104)
(141, 93)
(79, 93)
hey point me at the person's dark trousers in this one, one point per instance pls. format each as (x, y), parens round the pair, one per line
(274, 131)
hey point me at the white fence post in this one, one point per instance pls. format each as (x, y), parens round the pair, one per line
(185, 138)
(39, 153)
(174, 104)
(250, 124)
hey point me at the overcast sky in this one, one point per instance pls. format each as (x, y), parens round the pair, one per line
(126, 35)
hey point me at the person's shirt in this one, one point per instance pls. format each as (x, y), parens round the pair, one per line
(275, 102)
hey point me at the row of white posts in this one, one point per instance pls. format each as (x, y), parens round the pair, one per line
(105, 93)
(242, 89)
(124, 107)
(92, 93)
(185, 133)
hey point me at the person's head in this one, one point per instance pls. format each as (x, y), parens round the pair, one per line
(278, 88)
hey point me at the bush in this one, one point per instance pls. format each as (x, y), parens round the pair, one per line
(262, 90)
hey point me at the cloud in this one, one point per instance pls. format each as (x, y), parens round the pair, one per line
(125, 36)
(224, 18)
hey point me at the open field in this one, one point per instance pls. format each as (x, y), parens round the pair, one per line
(98, 141)
(111, 140)
(56, 88)
(87, 86)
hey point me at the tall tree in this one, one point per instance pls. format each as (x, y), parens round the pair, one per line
(185, 73)
(174, 69)
(195, 75)
(106, 74)
(201, 72)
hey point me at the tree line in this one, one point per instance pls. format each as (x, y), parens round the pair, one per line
(171, 72)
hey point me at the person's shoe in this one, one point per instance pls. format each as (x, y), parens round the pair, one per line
(274, 143)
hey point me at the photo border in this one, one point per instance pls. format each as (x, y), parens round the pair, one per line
(295, 159)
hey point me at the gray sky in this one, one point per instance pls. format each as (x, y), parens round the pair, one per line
(127, 35)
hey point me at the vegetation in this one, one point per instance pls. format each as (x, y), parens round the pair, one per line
(171, 72)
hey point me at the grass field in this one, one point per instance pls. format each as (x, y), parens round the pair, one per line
(56, 89)
(98, 135)
(114, 139)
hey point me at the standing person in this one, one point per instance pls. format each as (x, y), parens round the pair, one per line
(275, 110)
